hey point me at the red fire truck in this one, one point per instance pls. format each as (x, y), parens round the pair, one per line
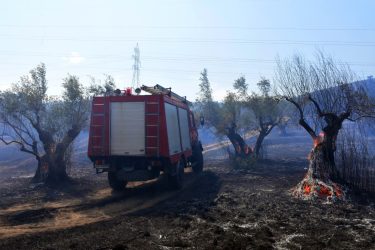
(135, 137)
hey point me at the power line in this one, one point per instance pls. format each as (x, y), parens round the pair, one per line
(188, 27)
(193, 41)
(55, 68)
(117, 58)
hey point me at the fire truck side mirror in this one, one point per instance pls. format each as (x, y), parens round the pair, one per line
(201, 119)
(138, 91)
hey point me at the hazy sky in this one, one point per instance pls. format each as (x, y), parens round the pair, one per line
(178, 38)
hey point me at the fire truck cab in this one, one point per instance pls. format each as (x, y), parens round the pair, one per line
(135, 137)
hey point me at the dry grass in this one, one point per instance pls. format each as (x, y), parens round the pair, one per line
(355, 163)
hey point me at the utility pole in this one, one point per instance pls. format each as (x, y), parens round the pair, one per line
(136, 67)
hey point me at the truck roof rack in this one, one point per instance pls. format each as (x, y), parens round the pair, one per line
(160, 90)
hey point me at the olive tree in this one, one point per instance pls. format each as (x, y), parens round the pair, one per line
(240, 113)
(267, 112)
(42, 125)
(223, 116)
(325, 95)
(235, 118)
(256, 113)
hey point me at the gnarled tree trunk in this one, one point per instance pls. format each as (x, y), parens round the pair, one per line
(57, 170)
(41, 172)
(57, 161)
(318, 181)
(239, 144)
(259, 142)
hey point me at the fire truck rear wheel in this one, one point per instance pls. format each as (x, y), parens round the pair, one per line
(176, 180)
(115, 183)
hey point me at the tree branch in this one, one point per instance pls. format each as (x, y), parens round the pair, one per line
(316, 105)
(270, 128)
(306, 126)
(22, 146)
(302, 121)
(9, 142)
(297, 106)
(360, 117)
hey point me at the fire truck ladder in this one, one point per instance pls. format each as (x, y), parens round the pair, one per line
(153, 127)
(99, 113)
(160, 90)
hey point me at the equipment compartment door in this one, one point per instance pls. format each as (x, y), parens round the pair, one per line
(184, 128)
(127, 128)
(172, 129)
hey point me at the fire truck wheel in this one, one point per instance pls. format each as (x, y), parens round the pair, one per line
(115, 183)
(198, 159)
(176, 179)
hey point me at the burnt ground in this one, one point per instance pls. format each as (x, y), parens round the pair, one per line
(222, 208)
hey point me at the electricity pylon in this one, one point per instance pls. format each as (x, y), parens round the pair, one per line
(136, 67)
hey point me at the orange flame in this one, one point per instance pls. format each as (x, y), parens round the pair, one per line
(323, 190)
(306, 189)
(317, 140)
(338, 191)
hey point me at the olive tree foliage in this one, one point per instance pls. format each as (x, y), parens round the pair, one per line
(21, 108)
(42, 125)
(233, 113)
(96, 88)
(324, 95)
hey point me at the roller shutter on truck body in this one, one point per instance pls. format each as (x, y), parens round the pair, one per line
(127, 128)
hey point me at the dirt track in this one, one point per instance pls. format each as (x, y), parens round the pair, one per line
(220, 208)
(83, 203)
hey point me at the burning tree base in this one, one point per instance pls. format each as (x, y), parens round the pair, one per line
(317, 184)
(310, 188)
